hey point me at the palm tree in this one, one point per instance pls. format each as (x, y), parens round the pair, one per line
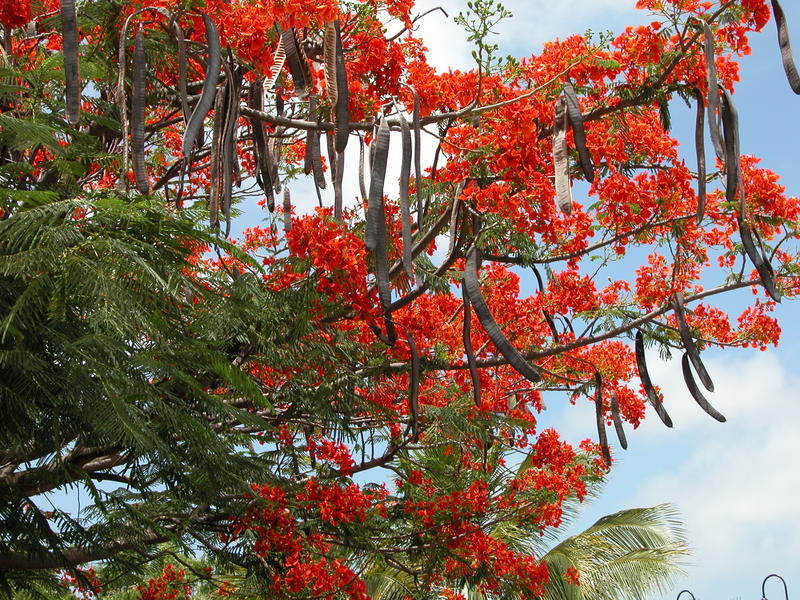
(631, 554)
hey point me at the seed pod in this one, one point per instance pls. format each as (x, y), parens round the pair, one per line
(700, 151)
(618, 421)
(417, 124)
(287, 210)
(652, 395)
(473, 291)
(688, 342)
(313, 149)
(561, 157)
(695, 391)
(786, 47)
(413, 393)
(298, 68)
(138, 101)
(375, 210)
(69, 33)
(260, 151)
(578, 132)
(278, 60)
(599, 418)
(183, 93)
(341, 112)
(361, 185)
(471, 362)
(195, 125)
(216, 154)
(405, 210)
(713, 92)
(765, 271)
(730, 129)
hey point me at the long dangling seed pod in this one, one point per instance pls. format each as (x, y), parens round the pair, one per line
(417, 124)
(405, 210)
(700, 150)
(550, 323)
(361, 185)
(730, 130)
(341, 110)
(69, 33)
(297, 67)
(255, 101)
(765, 272)
(337, 185)
(652, 395)
(208, 92)
(623, 441)
(472, 288)
(786, 48)
(216, 154)
(578, 132)
(471, 362)
(413, 394)
(561, 157)
(138, 101)
(688, 342)
(278, 60)
(695, 391)
(329, 61)
(379, 153)
(313, 149)
(183, 93)
(287, 211)
(713, 91)
(229, 135)
(599, 418)
(455, 217)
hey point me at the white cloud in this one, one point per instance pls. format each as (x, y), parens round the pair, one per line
(737, 484)
(534, 22)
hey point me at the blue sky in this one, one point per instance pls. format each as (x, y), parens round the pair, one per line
(736, 484)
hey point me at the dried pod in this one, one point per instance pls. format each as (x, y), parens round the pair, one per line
(786, 48)
(413, 393)
(700, 151)
(730, 130)
(471, 362)
(261, 152)
(69, 32)
(379, 153)
(688, 342)
(298, 68)
(713, 92)
(215, 169)
(417, 124)
(578, 132)
(765, 271)
(287, 210)
(341, 110)
(329, 61)
(623, 441)
(695, 391)
(652, 395)
(183, 66)
(600, 418)
(472, 288)
(138, 102)
(561, 157)
(405, 210)
(195, 125)
(361, 185)
(278, 60)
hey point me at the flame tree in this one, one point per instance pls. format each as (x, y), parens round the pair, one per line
(321, 400)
